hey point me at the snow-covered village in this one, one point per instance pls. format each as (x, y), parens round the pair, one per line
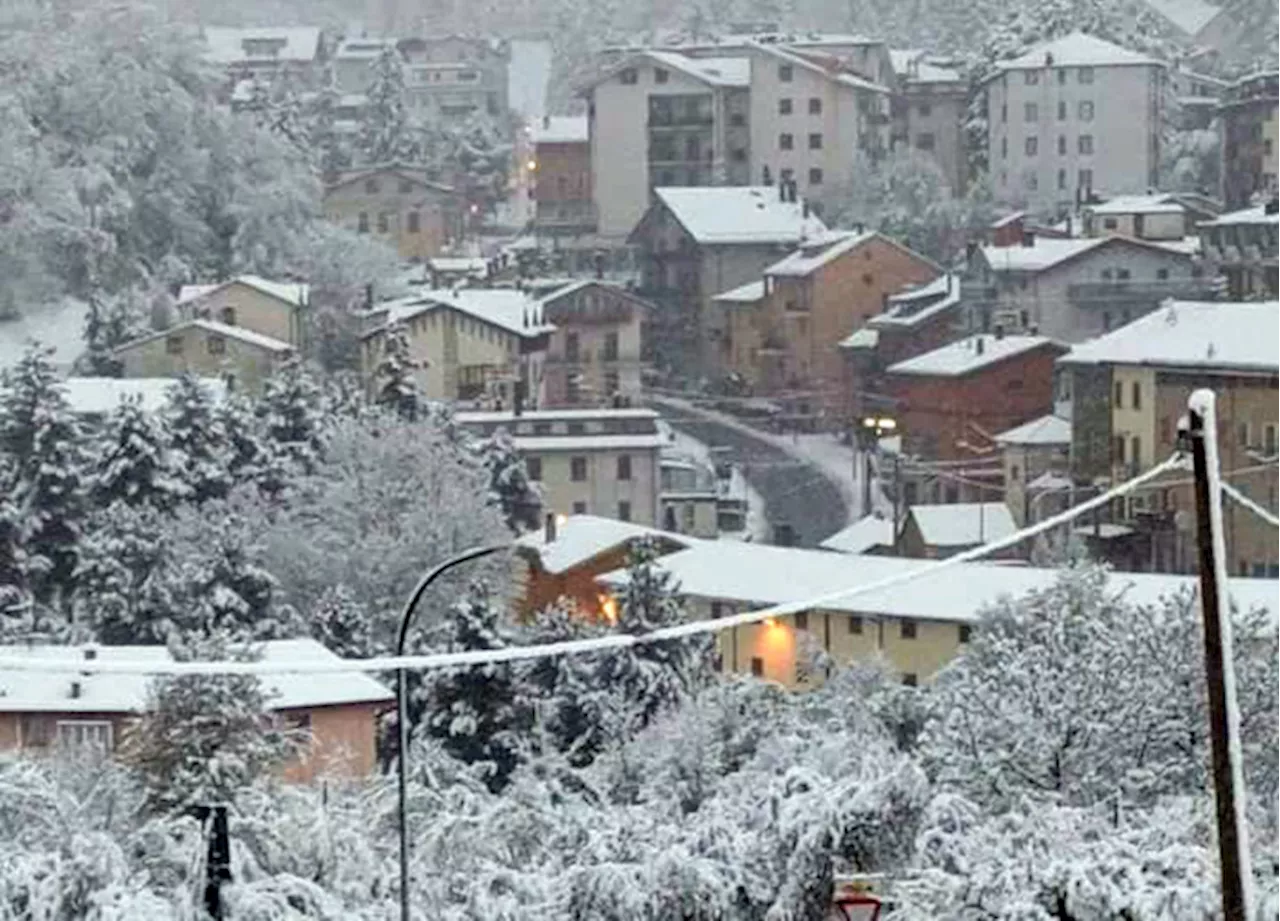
(689, 460)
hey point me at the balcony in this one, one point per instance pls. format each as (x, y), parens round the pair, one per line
(1091, 294)
(676, 122)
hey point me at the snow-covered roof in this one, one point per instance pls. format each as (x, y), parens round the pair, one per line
(560, 129)
(914, 66)
(1049, 481)
(715, 71)
(862, 535)
(1187, 246)
(1043, 253)
(1078, 49)
(230, 46)
(248, 336)
(831, 71)
(749, 293)
(739, 214)
(962, 524)
(588, 442)
(1207, 335)
(100, 395)
(473, 265)
(1139, 204)
(294, 293)
(1188, 15)
(582, 537)
(760, 574)
(969, 354)
(915, 305)
(1255, 215)
(818, 251)
(363, 48)
(552, 415)
(505, 308)
(1047, 430)
(1103, 530)
(865, 338)
(36, 692)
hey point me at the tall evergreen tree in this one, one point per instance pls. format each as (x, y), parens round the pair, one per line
(290, 414)
(510, 488)
(385, 135)
(196, 439)
(331, 154)
(137, 466)
(397, 388)
(343, 624)
(124, 591)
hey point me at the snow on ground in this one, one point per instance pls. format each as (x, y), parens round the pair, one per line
(58, 325)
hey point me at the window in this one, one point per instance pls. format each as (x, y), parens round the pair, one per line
(924, 110)
(405, 186)
(802, 620)
(925, 141)
(228, 316)
(173, 345)
(1030, 112)
(572, 347)
(611, 346)
(659, 75)
(383, 224)
(1062, 143)
(1106, 320)
(1032, 77)
(1085, 143)
(1004, 148)
(908, 630)
(85, 735)
(362, 223)
(624, 510)
(1032, 146)
(1269, 439)
(1086, 179)
(757, 667)
(1118, 402)
(1137, 395)
(965, 631)
(1086, 75)
(910, 679)
(611, 384)
(533, 466)
(371, 186)
(1031, 180)
(1122, 274)
(855, 623)
(785, 142)
(1086, 110)
(580, 508)
(1135, 450)
(1014, 472)
(815, 141)
(1117, 449)
(414, 223)
(815, 176)
(628, 76)
(1110, 223)
(1004, 112)
(578, 469)
(1162, 274)
(216, 345)
(784, 106)
(738, 155)
(624, 466)
(1062, 179)
(784, 73)
(868, 279)
(1062, 111)
(1242, 434)
(1062, 76)
(815, 105)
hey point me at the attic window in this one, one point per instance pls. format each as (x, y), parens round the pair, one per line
(628, 76)
(371, 186)
(660, 75)
(173, 345)
(785, 73)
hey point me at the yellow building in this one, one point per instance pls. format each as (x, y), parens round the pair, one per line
(272, 308)
(469, 344)
(602, 462)
(398, 205)
(206, 348)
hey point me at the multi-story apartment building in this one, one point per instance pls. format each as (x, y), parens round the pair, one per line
(1075, 288)
(1197, 96)
(594, 355)
(1249, 114)
(695, 243)
(1073, 116)
(561, 176)
(929, 108)
(1128, 390)
(812, 300)
(1035, 457)
(663, 119)
(588, 461)
(264, 55)
(399, 205)
(1241, 246)
(272, 308)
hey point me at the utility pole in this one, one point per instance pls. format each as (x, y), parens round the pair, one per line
(1224, 717)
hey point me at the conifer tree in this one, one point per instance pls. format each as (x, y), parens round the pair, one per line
(343, 624)
(510, 488)
(397, 388)
(137, 466)
(290, 414)
(572, 707)
(124, 591)
(196, 439)
(384, 135)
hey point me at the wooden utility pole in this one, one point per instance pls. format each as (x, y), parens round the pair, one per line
(1224, 717)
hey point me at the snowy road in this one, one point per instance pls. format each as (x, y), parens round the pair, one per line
(795, 492)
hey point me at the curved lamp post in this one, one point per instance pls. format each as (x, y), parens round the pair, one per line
(402, 702)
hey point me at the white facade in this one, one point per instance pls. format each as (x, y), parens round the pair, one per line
(1073, 116)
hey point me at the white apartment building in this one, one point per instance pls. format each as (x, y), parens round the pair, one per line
(1070, 117)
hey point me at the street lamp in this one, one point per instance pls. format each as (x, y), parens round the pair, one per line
(873, 429)
(402, 704)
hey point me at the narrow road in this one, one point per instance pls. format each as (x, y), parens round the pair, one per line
(795, 493)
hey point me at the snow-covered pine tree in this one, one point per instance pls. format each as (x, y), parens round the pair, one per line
(479, 160)
(289, 413)
(397, 386)
(228, 591)
(44, 446)
(330, 153)
(385, 136)
(510, 488)
(205, 739)
(124, 592)
(248, 458)
(136, 466)
(197, 440)
(343, 624)
(477, 712)
(652, 677)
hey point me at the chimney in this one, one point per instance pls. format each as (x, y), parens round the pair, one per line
(546, 121)
(549, 528)
(782, 190)
(977, 345)
(766, 177)
(76, 690)
(90, 653)
(999, 331)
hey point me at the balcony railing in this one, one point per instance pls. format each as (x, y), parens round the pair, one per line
(1128, 292)
(680, 121)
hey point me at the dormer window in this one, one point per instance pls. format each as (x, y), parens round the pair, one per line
(228, 316)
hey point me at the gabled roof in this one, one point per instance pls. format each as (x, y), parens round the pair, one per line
(1047, 430)
(833, 71)
(861, 536)
(293, 293)
(719, 215)
(963, 524)
(1190, 16)
(1255, 215)
(1139, 204)
(718, 72)
(914, 66)
(363, 48)
(560, 129)
(1078, 49)
(101, 395)
(915, 305)
(248, 336)
(572, 287)
(395, 169)
(971, 354)
(1221, 335)
(1051, 252)
(580, 538)
(822, 249)
(749, 293)
(505, 308)
(227, 46)
(29, 691)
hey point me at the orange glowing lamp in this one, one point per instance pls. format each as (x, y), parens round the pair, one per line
(609, 608)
